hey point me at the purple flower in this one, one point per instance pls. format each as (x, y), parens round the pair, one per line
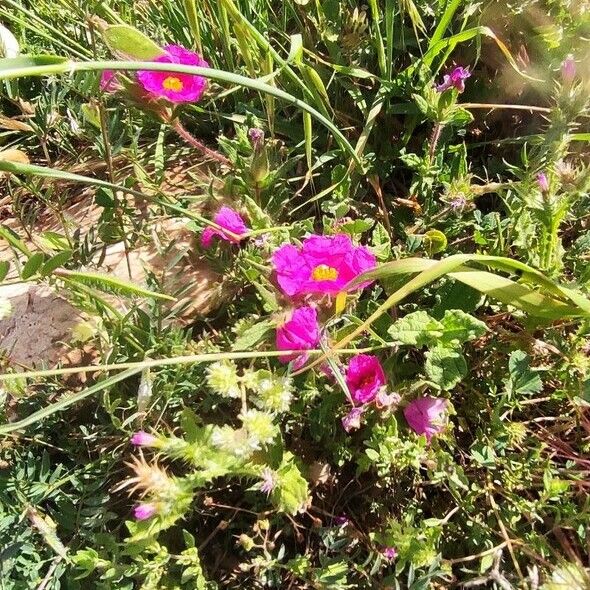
(568, 70)
(352, 420)
(426, 415)
(175, 87)
(143, 439)
(341, 520)
(543, 182)
(144, 511)
(229, 220)
(256, 137)
(301, 332)
(269, 481)
(389, 553)
(456, 79)
(364, 377)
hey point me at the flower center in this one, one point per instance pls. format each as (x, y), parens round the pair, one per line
(323, 272)
(172, 83)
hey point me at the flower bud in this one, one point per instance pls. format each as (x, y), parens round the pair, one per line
(543, 182)
(256, 137)
(144, 439)
(568, 70)
(144, 511)
(246, 542)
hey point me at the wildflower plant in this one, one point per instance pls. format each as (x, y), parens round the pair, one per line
(349, 344)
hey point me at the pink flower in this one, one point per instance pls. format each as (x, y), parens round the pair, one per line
(568, 70)
(352, 420)
(364, 377)
(108, 81)
(143, 439)
(389, 553)
(543, 182)
(301, 332)
(269, 481)
(173, 86)
(426, 415)
(229, 220)
(323, 264)
(456, 79)
(144, 511)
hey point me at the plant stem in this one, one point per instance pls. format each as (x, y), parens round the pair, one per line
(190, 139)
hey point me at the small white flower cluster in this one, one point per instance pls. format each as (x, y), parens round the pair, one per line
(222, 378)
(257, 431)
(272, 393)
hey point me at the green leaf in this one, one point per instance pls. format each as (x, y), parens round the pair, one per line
(445, 367)
(12, 238)
(459, 327)
(56, 262)
(30, 61)
(4, 268)
(65, 402)
(110, 284)
(416, 329)
(291, 493)
(32, 265)
(252, 336)
(127, 42)
(522, 380)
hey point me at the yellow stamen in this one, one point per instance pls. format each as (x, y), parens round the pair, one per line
(172, 83)
(324, 272)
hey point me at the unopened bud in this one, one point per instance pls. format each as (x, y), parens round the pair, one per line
(568, 70)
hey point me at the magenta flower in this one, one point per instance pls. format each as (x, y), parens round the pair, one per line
(456, 79)
(175, 87)
(144, 511)
(352, 420)
(323, 265)
(269, 481)
(229, 220)
(568, 70)
(108, 81)
(389, 553)
(364, 377)
(301, 332)
(143, 439)
(543, 182)
(426, 415)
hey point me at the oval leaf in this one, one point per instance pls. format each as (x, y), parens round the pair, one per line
(32, 265)
(127, 42)
(54, 263)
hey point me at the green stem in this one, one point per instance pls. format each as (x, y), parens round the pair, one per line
(22, 67)
(178, 360)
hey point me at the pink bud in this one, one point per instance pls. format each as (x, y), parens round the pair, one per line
(143, 439)
(568, 69)
(387, 400)
(543, 182)
(389, 553)
(144, 511)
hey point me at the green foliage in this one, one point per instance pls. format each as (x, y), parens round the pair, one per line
(244, 475)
